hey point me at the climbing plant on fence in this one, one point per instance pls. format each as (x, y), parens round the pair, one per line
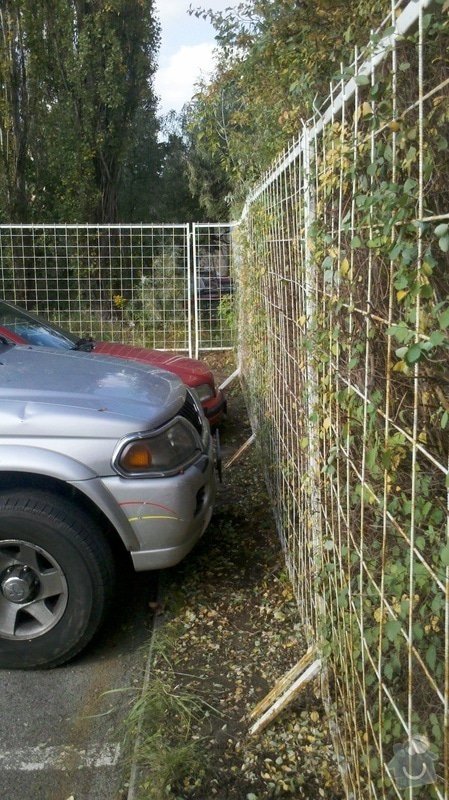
(344, 338)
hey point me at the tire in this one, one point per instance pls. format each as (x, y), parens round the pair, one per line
(56, 579)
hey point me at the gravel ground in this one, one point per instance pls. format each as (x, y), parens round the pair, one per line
(228, 629)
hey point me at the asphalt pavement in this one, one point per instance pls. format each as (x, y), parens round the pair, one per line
(61, 731)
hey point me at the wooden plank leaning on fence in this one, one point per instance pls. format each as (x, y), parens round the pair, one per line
(285, 691)
(240, 452)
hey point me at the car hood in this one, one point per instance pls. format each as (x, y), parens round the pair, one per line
(56, 389)
(190, 370)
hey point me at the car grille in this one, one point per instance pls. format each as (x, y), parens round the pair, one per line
(190, 412)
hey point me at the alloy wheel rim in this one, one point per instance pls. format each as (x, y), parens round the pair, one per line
(33, 590)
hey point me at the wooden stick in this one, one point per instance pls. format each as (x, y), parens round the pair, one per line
(239, 452)
(281, 685)
(291, 693)
(231, 378)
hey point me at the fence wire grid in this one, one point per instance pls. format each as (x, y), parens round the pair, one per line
(343, 337)
(163, 286)
(343, 340)
(213, 285)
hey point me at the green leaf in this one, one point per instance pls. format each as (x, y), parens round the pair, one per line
(396, 251)
(388, 153)
(392, 629)
(441, 230)
(420, 542)
(413, 354)
(443, 319)
(388, 671)
(409, 185)
(437, 604)
(444, 420)
(444, 554)
(437, 338)
(431, 656)
(426, 290)
(443, 243)
(418, 631)
(362, 80)
(401, 332)
(356, 242)
(371, 456)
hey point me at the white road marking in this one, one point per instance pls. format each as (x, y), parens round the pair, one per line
(33, 759)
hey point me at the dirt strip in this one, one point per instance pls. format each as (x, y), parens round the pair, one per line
(230, 628)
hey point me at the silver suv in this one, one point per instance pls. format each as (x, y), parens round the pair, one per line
(94, 453)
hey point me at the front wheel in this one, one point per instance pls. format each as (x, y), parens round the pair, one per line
(56, 579)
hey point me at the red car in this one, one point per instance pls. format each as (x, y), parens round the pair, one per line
(22, 327)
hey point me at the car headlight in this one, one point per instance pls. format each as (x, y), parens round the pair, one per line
(164, 453)
(204, 392)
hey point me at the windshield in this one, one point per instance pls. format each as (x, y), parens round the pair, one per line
(34, 330)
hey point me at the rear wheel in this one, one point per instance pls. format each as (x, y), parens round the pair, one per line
(56, 579)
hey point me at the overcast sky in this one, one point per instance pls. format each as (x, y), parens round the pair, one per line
(186, 50)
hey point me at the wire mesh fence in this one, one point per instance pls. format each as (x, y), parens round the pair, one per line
(156, 285)
(343, 333)
(344, 337)
(213, 286)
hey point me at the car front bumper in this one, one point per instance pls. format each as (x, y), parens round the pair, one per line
(167, 515)
(215, 408)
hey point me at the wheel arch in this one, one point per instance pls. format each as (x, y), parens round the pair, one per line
(11, 480)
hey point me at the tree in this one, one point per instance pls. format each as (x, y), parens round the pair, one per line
(14, 111)
(138, 187)
(210, 153)
(275, 58)
(85, 69)
(176, 202)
